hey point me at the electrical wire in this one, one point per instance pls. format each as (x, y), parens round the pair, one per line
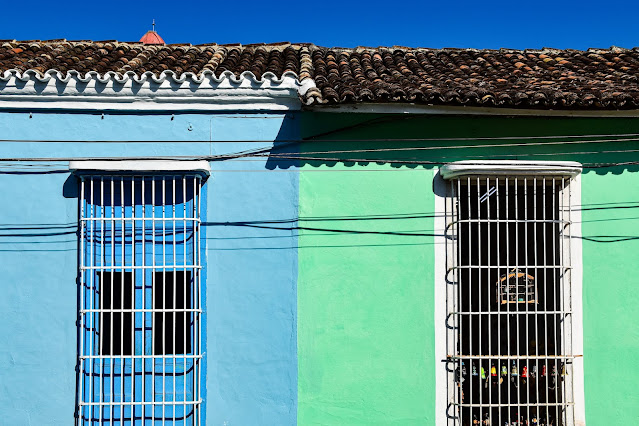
(628, 136)
(430, 148)
(327, 159)
(269, 152)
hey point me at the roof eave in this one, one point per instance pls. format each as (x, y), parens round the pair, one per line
(409, 108)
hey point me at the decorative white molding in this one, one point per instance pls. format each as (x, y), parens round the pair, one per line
(148, 92)
(510, 168)
(141, 166)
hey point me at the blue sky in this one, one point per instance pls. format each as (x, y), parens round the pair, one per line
(478, 24)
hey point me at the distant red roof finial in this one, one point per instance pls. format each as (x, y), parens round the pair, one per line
(152, 37)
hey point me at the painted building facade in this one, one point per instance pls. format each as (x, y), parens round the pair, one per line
(320, 287)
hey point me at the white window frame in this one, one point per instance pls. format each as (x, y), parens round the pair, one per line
(444, 205)
(164, 180)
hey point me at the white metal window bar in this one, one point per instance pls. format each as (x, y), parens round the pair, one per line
(140, 318)
(508, 299)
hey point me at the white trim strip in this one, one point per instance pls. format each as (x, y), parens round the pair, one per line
(577, 307)
(142, 166)
(510, 168)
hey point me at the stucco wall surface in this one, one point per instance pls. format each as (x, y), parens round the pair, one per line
(365, 294)
(365, 297)
(611, 322)
(345, 247)
(250, 330)
(365, 288)
(38, 301)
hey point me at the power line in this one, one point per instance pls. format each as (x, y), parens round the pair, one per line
(290, 156)
(428, 162)
(268, 152)
(628, 136)
(429, 148)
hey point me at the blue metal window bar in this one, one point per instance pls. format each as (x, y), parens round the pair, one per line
(140, 316)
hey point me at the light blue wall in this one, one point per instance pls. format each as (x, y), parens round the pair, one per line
(252, 275)
(251, 272)
(38, 301)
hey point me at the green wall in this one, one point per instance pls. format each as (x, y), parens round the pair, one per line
(365, 338)
(365, 283)
(610, 294)
(365, 305)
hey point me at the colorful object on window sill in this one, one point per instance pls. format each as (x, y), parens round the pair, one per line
(543, 370)
(483, 373)
(516, 287)
(563, 370)
(513, 370)
(524, 374)
(494, 377)
(504, 370)
(533, 372)
(474, 372)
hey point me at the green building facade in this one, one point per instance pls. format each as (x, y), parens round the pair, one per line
(366, 289)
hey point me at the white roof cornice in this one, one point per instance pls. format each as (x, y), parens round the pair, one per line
(148, 92)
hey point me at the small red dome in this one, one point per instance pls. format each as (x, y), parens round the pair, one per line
(151, 37)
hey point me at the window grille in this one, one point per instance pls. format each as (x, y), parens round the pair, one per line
(140, 318)
(509, 306)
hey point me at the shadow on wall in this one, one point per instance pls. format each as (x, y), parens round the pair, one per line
(401, 142)
(355, 141)
(409, 142)
(603, 145)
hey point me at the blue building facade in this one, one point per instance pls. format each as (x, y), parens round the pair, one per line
(250, 365)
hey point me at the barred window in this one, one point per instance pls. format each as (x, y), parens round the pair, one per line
(140, 302)
(509, 306)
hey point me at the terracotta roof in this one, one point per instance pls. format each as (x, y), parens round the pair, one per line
(543, 79)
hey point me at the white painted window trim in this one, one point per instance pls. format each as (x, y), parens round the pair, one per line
(510, 168)
(200, 166)
(443, 204)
